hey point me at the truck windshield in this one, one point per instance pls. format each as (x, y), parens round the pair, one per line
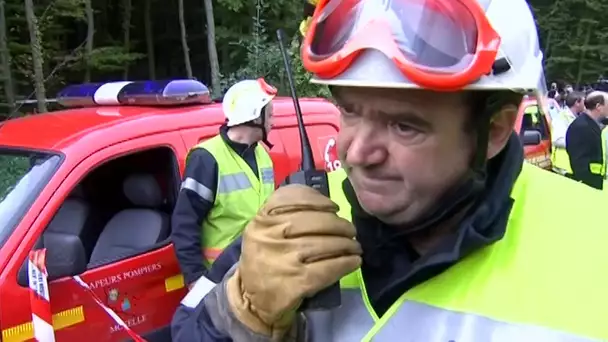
(23, 175)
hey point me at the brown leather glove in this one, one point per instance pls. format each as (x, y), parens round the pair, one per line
(295, 247)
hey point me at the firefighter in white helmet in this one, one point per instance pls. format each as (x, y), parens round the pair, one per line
(227, 178)
(455, 237)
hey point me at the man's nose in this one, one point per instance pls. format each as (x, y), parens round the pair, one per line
(368, 146)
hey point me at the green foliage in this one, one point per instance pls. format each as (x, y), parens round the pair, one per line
(12, 168)
(574, 39)
(69, 9)
(264, 58)
(112, 58)
(233, 5)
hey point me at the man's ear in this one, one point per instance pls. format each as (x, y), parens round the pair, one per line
(501, 127)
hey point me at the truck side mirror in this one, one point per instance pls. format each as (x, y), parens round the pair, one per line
(65, 257)
(531, 138)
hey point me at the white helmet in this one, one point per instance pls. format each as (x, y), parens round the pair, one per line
(442, 45)
(245, 100)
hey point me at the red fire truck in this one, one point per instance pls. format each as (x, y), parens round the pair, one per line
(533, 127)
(63, 184)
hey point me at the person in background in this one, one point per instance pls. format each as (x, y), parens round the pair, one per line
(562, 91)
(435, 227)
(584, 142)
(559, 126)
(552, 91)
(227, 179)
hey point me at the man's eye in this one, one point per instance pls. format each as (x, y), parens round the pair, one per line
(404, 128)
(347, 114)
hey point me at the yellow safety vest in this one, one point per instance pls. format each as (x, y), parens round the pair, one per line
(238, 197)
(600, 168)
(559, 156)
(533, 111)
(535, 284)
(604, 141)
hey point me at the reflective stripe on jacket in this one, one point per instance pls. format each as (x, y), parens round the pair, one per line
(600, 168)
(238, 197)
(512, 290)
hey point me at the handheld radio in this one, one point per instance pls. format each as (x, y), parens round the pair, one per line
(328, 298)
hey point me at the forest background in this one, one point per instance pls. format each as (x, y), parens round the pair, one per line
(47, 44)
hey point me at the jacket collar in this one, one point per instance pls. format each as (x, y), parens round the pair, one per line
(570, 113)
(239, 148)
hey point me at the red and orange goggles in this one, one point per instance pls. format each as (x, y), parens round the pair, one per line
(436, 44)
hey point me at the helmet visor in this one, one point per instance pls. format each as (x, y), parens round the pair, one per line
(430, 36)
(435, 34)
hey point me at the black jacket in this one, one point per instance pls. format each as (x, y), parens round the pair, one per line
(192, 209)
(584, 146)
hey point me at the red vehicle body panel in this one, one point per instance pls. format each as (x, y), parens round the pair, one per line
(540, 154)
(89, 137)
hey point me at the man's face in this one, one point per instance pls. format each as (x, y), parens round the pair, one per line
(268, 117)
(402, 149)
(580, 106)
(603, 109)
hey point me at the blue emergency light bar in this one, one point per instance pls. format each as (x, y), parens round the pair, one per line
(138, 93)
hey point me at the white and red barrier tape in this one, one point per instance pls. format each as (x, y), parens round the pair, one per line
(42, 317)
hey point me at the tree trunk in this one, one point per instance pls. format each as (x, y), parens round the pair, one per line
(88, 50)
(37, 59)
(182, 27)
(547, 49)
(581, 60)
(213, 60)
(126, 29)
(5, 62)
(149, 40)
